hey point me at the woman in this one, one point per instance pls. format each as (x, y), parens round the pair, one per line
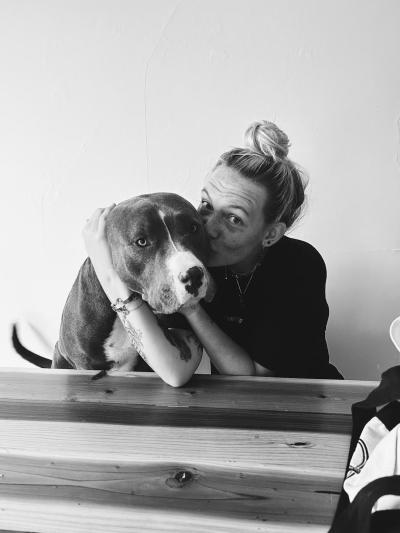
(269, 314)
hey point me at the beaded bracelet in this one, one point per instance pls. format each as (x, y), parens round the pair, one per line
(119, 306)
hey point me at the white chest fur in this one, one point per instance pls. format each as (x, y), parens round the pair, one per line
(119, 349)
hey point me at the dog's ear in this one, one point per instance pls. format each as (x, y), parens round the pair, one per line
(211, 288)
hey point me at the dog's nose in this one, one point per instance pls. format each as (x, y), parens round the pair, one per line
(192, 278)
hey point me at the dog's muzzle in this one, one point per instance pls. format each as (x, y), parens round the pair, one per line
(182, 281)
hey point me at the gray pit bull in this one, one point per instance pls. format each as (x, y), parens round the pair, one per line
(159, 247)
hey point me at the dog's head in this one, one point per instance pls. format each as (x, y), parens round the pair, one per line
(159, 247)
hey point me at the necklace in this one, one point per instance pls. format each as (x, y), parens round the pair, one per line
(242, 291)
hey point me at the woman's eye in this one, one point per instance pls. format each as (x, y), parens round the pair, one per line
(233, 219)
(142, 242)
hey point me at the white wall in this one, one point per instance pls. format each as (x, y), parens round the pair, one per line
(101, 100)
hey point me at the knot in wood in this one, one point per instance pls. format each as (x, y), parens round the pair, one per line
(181, 479)
(183, 476)
(300, 444)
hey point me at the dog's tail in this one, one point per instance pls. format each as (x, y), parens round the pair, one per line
(32, 357)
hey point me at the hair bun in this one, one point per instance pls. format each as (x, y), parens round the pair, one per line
(267, 139)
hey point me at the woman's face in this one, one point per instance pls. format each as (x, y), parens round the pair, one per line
(232, 211)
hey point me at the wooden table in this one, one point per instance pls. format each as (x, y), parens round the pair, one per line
(128, 453)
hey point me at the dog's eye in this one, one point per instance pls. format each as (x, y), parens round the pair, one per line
(194, 227)
(141, 242)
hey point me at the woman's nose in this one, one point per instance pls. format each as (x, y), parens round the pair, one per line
(212, 226)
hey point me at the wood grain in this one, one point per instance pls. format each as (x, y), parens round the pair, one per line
(261, 450)
(258, 393)
(129, 453)
(121, 414)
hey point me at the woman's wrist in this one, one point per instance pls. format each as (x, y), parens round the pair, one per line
(114, 287)
(191, 311)
(133, 302)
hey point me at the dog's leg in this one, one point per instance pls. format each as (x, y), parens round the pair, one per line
(59, 360)
(86, 323)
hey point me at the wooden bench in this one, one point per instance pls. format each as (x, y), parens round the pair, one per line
(129, 453)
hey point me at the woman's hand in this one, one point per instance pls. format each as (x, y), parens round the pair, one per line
(98, 249)
(94, 236)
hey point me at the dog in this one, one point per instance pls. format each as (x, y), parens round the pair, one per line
(159, 249)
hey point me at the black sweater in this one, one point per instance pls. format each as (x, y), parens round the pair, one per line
(282, 319)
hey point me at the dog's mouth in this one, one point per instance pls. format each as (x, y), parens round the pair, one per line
(161, 310)
(161, 301)
(170, 293)
(166, 302)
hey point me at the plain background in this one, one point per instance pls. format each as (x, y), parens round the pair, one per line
(105, 99)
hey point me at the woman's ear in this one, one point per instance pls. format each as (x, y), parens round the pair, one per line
(273, 234)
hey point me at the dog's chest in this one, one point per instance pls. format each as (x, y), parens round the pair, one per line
(118, 348)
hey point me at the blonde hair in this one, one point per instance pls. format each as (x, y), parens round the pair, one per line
(264, 160)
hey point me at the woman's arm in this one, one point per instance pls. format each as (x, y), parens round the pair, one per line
(227, 356)
(173, 354)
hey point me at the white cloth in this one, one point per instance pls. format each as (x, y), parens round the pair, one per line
(377, 454)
